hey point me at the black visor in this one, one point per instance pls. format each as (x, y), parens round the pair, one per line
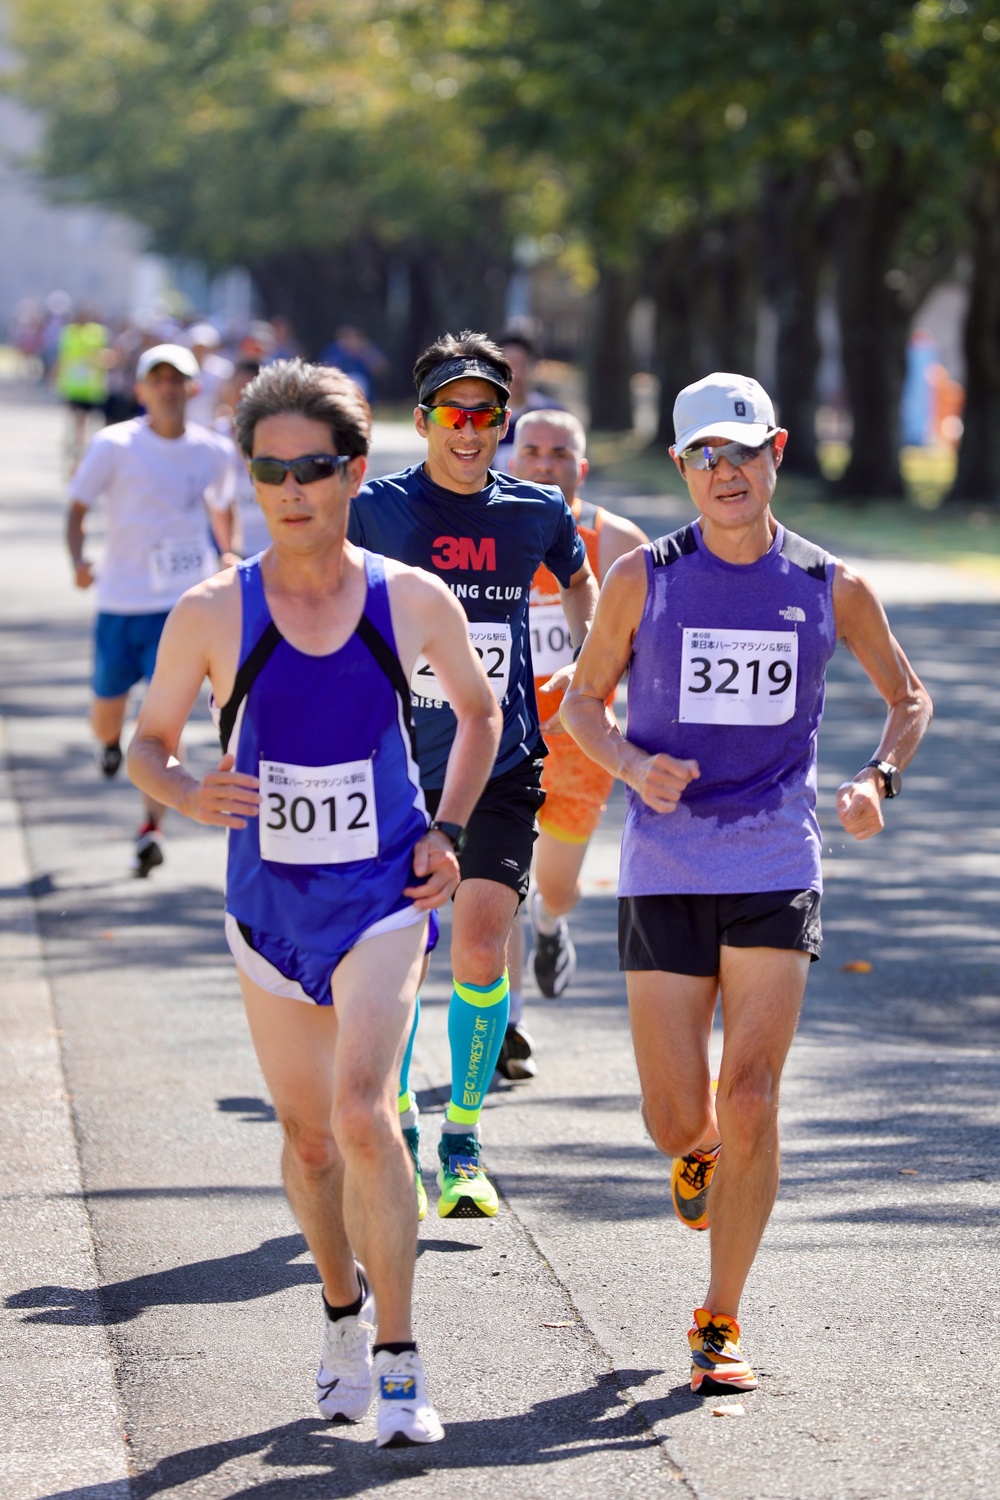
(457, 369)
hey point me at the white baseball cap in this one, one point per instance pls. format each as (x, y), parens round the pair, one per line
(174, 355)
(734, 407)
(205, 335)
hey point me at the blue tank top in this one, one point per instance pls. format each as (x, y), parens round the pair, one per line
(729, 669)
(332, 740)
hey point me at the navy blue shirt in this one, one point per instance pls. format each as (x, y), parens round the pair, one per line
(486, 547)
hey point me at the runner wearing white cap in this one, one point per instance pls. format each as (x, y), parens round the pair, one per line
(726, 628)
(154, 477)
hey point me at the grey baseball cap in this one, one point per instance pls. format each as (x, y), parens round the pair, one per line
(174, 355)
(462, 368)
(734, 407)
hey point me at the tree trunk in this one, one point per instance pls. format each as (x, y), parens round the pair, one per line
(672, 275)
(609, 367)
(793, 231)
(318, 290)
(874, 327)
(978, 476)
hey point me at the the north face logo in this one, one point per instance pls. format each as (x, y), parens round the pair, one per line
(741, 408)
(792, 612)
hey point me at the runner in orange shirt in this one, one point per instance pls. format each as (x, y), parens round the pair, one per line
(550, 448)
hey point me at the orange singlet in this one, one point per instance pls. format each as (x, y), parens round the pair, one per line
(576, 789)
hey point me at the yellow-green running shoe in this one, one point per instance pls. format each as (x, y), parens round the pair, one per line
(466, 1191)
(411, 1134)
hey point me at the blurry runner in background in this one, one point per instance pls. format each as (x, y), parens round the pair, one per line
(81, 377)
(154, 478)
(551, 448)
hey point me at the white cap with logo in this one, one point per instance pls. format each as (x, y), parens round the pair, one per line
(175, 355)
(734, 407)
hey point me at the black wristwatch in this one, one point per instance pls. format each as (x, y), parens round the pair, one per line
(454, 831)
(892, 781)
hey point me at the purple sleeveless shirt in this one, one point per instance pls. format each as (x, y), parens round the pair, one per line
(728, 668)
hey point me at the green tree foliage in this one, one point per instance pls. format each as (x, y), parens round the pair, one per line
(385, 155)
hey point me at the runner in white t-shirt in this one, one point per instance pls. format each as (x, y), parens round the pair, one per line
(154, 476)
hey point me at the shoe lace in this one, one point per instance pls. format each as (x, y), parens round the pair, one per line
(696, 1170)
(716, 1335)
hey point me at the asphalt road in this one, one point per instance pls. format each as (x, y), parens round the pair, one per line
(159, 1319)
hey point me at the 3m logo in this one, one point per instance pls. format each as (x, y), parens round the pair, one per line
(465, 552)
(741, 408)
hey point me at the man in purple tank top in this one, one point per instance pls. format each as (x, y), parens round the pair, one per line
(726, 627)
(333, 867)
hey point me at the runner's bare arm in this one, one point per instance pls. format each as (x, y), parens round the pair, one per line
(659, 779)
(428, 620)
(862, 626)
(223, 527)
(617, 536)
(75, 517)
(199, 640)
(579, 602)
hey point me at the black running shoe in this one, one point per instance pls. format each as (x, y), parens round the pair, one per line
(515, 1061)
(148, 851)
(109, 759)
(555, 957)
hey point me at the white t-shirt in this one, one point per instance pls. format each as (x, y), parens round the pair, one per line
(253, 535)
(154, 491)
(203, 406)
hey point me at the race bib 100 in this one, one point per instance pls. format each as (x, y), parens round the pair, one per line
(177, 565)
(491, 643)
(551, 644)
(738, 676)
(317, 815)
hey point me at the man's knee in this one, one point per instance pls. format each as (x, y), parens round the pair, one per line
(559, 895)
(676, 1127)
(479, 955)
(364, 1120)
(312, 1147)
(747, 1106)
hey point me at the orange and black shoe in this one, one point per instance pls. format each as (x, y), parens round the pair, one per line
(716, 1362)
(690, 1177)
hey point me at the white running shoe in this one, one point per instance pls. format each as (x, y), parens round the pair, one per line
(405, 1416)
(344, 1377)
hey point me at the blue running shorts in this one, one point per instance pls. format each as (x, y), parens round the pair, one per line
(124, 651)
(281, 968)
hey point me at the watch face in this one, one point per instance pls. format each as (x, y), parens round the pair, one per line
(894, 783)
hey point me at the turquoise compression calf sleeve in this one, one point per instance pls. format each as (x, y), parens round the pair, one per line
(477, 1020)
(404, 1073)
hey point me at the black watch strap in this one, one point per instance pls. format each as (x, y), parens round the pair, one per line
(454, 831)
(892, 781)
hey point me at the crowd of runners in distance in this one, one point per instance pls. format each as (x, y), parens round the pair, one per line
(471, 618)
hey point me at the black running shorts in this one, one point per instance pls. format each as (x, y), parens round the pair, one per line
(683, 934)
(502, 828)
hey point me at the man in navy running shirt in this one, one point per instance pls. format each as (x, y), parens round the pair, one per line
(726, 628)
(484, 534)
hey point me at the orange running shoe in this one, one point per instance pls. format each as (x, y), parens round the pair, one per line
(716, 1362)
(689, 1180)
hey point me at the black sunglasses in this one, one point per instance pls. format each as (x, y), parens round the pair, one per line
(305, 470)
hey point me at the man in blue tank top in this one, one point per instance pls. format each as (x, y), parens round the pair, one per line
(484, 534)
(332, 868)
(726, 627)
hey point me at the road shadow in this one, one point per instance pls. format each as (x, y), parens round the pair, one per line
(271, 1267)
(322, 1461)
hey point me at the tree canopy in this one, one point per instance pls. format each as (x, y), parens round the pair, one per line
(389, 155)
